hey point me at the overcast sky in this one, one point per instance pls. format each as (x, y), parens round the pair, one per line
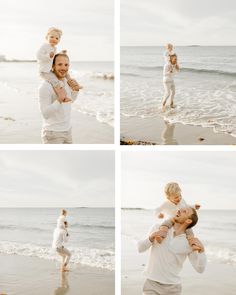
(207, 178)
(181, 22)
(87, 27)
(57, 179)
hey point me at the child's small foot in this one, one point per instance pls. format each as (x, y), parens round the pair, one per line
(159, 239)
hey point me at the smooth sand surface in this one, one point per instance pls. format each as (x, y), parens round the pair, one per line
(156, 130)
(33, 276)
(20, 122)
(218, 278)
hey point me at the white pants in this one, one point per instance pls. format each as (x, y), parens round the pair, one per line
(57, 137)
(65, 253)
(169, 92)
(156, 288)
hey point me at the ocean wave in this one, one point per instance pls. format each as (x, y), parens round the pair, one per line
(92, 257)
(224, 255)
(193, 70)
(91, 226)
(88, 74)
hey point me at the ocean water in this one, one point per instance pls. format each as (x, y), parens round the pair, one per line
(205, 86)
(97, 78)
(215, 228)
(29, 232)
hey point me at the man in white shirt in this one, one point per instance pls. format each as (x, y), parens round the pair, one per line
(166, 260)
(56, 113)
(60, 236)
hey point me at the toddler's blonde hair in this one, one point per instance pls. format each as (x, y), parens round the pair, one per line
(172, 189)
(53, 29)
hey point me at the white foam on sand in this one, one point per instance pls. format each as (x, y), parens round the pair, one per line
(104, 259)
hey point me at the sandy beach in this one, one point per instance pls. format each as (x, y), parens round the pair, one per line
(21, 275)
(217, 279)
(20, 122)
(156, 131)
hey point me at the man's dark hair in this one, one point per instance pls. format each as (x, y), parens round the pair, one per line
(59, 54)
(194, 218)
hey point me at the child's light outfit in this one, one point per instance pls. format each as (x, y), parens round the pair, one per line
(170, 209)
(61, 221)
(45, 64)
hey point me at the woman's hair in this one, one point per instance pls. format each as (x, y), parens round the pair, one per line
(59, 54)
(58, 31)
(172, 189)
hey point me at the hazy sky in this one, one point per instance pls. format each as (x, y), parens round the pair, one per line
(181, 22)
(57, 179)
(207, 178)
(87, 27)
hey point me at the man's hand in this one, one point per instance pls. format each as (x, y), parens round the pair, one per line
(74, 85)
(51, 54)
(196, 244)
(161, 215)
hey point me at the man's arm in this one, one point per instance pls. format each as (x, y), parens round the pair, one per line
(198, 258)
(146, 242)
(47, 107)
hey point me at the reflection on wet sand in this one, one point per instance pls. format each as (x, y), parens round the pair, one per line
(167, 135)
(64, 287)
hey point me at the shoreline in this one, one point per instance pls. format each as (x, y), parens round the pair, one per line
(156, 131)
(22, 274)
(19, 125)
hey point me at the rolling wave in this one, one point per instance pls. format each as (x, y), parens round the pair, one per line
(185, 69)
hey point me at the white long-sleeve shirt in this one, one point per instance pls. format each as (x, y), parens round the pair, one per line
(44, 59)
(56, 115)
(168, 72)
(166, 260)
(60, 236)
(169, 209)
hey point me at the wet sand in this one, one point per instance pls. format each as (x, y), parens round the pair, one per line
(30, 275)
(156, 131)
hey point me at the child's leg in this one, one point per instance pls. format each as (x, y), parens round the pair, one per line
(52, 79)
(190, 236)
(57, 85)
(167, 224)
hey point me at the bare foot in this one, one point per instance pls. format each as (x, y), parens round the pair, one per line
(64, 269)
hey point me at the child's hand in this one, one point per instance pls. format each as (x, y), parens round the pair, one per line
(51, 54)
(197, 206)
(161, 215)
